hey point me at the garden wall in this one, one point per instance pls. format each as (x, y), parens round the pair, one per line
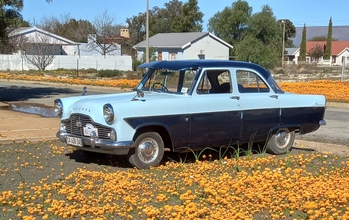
(19, 63)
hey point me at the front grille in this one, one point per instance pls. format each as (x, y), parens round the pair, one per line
(76, 123)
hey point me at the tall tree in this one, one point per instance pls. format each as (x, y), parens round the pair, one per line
(161, 19)
(190, 18)
(303, 48)
(10, 18)
(231, 23)
(264, 33)
(328, 52)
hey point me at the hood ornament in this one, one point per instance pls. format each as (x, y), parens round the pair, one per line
(84, 90)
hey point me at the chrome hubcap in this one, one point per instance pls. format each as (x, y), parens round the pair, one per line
(282, 138)
(148, 150)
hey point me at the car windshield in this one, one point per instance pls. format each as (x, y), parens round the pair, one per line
(169, 81)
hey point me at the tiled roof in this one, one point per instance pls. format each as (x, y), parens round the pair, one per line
(337, 46)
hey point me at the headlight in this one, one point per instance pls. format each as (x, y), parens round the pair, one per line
(108, 113)
(58, 107)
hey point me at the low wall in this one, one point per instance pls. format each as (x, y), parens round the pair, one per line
(17, 62)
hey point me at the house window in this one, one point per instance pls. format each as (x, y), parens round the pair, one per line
(172, 56)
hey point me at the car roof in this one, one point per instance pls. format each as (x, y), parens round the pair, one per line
(194, 64)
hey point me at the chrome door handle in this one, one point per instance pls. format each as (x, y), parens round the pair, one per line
(235, 97)
(274, 96)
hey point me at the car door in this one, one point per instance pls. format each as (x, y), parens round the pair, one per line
(215, 118)
(259, 104)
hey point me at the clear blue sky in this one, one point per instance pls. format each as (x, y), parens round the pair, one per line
(310, 12)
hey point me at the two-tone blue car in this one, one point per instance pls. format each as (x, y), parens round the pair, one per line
(189, 104)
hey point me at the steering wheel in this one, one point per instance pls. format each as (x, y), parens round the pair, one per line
(162, 86)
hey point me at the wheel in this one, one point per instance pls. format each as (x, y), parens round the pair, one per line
(148, 151)
(162, 86)
(281, 142)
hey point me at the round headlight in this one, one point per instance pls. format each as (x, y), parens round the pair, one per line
(58, 107)
(108, 113)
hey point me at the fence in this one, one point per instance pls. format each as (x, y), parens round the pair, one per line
(19, 63)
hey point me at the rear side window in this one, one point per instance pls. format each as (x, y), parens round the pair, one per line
(250, 82)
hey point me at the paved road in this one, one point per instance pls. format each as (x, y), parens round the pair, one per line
(337, 116)
(335, 131)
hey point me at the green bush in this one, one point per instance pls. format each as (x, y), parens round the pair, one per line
(110, 73)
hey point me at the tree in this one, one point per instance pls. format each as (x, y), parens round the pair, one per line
(161, 19)
(328, 52)
(74, 30)
(263, 40)
(231, 23)
(303, 48)
(10, 18)
(316, 53)
(40, 50)
(190, 18)
(102, 40)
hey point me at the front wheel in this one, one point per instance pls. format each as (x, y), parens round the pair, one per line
(148, 151)
(281, 141)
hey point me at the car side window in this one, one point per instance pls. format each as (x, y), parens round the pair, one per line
(215, 81)
(250, 82)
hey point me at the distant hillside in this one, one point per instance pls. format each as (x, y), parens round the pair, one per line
(338, 32)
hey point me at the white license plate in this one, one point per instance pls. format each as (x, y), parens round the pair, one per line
(74, 141)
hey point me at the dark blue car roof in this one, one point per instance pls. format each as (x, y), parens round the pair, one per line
(194, 64)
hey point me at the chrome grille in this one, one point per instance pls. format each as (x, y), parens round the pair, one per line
(76, 123)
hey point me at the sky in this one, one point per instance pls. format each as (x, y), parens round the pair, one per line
(300, 12)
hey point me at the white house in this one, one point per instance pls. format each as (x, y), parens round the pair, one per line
(34, 35)
(189, 45)
(339, 53)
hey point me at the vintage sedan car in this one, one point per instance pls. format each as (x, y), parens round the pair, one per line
(189, 104)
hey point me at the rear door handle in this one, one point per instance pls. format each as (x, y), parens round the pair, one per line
(235, 97)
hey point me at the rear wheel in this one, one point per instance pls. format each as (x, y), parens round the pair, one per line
(148, 151)
(281, 141)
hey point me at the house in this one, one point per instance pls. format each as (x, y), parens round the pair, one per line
(189, 45)
(35, 38)
(340, 53)
(292, 55)
(340, 33)
(110, 46)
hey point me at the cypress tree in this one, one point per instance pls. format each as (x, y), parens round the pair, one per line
(329, 41)
(303, 49)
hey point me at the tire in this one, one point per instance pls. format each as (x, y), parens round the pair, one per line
(148, 151)
(281, 141)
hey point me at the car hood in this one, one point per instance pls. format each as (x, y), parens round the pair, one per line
(93, 104)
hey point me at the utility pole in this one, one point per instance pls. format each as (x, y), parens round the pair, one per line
(147, 35)
(283, 43)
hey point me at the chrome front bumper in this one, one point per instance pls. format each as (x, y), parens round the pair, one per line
(94, 144)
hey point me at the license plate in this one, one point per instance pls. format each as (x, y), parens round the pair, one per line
(74, 141)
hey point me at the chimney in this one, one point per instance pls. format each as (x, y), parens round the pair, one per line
(124, 33)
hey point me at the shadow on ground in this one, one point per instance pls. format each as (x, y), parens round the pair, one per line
(23, 93)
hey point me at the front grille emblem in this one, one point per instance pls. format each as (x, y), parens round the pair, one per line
(78, 124)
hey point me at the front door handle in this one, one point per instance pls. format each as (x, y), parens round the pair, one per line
(274, 96)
